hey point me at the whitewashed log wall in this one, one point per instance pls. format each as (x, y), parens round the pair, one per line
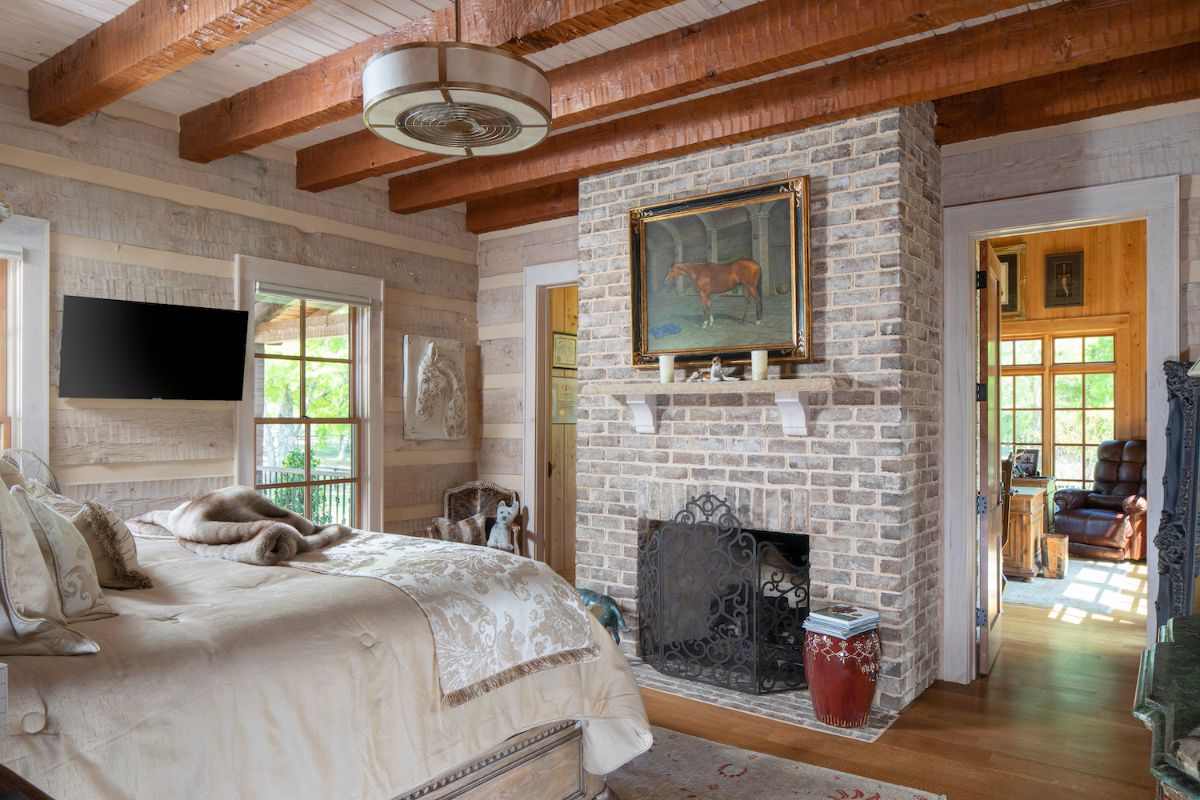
(130, 220)
(503, 257)
(1145, 144)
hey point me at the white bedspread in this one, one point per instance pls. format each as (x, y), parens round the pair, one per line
(235, 681)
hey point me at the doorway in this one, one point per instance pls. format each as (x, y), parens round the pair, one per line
(550, 387)
(562, 390)
(1153, 204)
(1072, 426)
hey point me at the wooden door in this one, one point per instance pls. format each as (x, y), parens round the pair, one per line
(990, 516)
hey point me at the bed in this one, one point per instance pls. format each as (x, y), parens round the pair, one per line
(238, 681)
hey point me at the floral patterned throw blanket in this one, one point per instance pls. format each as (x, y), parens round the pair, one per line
(496, 617)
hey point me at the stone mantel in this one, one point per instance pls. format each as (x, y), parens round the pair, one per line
(791, 396)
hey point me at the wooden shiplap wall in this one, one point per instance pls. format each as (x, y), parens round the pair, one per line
(122, 227)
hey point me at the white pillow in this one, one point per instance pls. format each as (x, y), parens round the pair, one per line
(31, 615)
(69, 559)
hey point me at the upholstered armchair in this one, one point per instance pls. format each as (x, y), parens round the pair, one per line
(1108, 521)
(482, 497)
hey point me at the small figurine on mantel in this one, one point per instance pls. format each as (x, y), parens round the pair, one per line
(713, 374)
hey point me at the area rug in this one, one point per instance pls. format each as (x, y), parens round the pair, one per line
(681, 767)
(1103, 587)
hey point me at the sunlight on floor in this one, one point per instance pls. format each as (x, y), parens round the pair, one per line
(1119, 587)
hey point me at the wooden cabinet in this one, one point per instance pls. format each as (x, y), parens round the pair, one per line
(1047, 484)
(1026, 526)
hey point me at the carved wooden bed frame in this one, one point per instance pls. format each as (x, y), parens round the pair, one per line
(543, 763)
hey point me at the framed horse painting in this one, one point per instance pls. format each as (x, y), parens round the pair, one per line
(723, 274)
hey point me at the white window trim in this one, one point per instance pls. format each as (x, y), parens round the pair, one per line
(25, 244)
(249, 271)
(1155, 200)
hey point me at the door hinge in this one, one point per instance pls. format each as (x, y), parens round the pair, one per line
(981, 504)
(981, 279)
(981, 392)
(981, 617)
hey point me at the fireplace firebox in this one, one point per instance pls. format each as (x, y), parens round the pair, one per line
(721, 604)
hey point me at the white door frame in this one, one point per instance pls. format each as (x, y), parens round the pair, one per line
(538, 279)
(25, 243)
(1157, 202)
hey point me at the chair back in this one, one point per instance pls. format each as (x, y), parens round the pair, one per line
(1120, 468)
(477, 497)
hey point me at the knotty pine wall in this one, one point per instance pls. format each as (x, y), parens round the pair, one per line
(1114, 294)
(130, 220)
(1148, 143)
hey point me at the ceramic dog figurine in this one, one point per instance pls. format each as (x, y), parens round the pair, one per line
(500, 536)
(610, 615)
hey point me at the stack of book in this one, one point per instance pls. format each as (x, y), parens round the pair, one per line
(841, 621)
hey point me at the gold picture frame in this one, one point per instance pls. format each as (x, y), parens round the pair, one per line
(1012, 280)
(564, 351)
(755, 243)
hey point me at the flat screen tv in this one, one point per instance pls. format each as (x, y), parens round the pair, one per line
(124, 349)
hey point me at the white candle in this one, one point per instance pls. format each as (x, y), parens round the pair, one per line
(666, 369)
(758, 365)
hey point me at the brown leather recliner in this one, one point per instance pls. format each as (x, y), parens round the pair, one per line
(1109, 520)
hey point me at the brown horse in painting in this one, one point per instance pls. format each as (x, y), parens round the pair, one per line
(713, 279)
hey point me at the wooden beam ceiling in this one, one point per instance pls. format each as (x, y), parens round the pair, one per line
(330, 88)
(538, 204)
(749, 43)
(143, 43)
(1053, 39)
(1164, 76)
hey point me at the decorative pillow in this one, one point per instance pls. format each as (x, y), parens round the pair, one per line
(112, 546)
(31, 615)
(106, 534)
(67, 556)
(472, 530)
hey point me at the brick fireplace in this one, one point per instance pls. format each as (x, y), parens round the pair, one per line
(864, 483)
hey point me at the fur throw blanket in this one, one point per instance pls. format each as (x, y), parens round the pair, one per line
(238, 524)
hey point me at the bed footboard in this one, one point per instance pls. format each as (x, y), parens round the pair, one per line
(544, 763)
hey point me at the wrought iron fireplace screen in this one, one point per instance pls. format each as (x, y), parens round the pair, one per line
(723, 605)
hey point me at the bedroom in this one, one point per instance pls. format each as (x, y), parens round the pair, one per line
(205, 178)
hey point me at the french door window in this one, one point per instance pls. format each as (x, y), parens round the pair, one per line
(306, 412)
(1058, 395)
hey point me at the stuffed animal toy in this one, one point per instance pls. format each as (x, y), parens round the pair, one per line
(500, 536)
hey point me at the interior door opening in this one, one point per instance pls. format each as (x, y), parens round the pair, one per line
(1072, 427)
(557, 429)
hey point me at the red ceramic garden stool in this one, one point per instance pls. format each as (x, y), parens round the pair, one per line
(842, 675)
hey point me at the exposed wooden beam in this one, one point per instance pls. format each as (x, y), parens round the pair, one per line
(530, 26)
(330, 88)
(748, 43)
(1052, 39)
(1165, 76)
(146, 41)
(538, 204)
(348, 159)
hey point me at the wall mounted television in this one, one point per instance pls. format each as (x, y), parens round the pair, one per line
(132, 350)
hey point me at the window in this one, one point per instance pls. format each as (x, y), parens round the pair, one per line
(1077, 387)
(306, 412)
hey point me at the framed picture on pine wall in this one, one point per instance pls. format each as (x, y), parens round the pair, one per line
(1064, 279)
(723, 274)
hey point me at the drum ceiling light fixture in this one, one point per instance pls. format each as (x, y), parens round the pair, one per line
(456, 98)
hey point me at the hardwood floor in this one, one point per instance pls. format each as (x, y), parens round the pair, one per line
(1051, 721)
